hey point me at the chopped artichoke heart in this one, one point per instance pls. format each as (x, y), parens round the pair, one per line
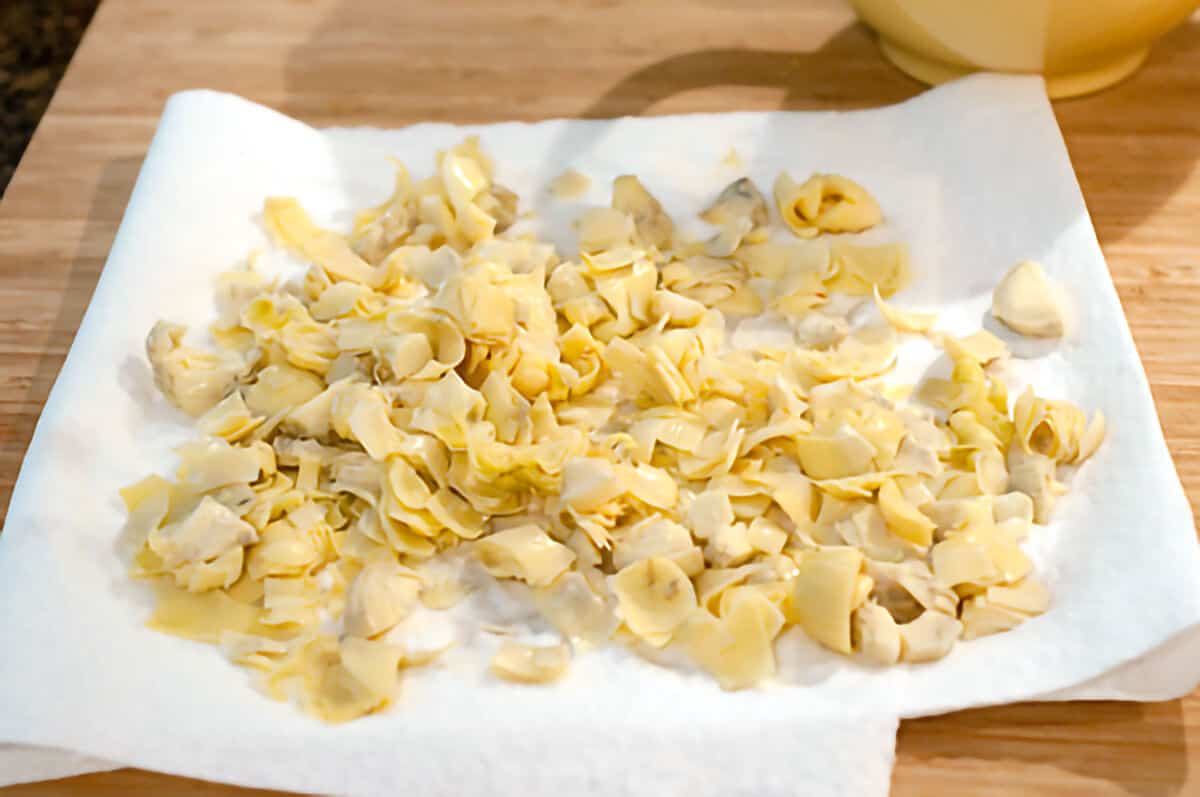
(664, 441)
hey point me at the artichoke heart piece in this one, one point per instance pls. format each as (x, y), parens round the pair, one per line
(825, 203)
(929, 637)
(354, 678)
(657, 537)
(876, 634)
(1024, 301)
(530, 664)
(903, 320)
(903, 519)
(570, 184)
(737, 648)
(654, 597)
(741, 199)
(861, 270)
(380, 596)
(572, 605)
(823, 596)
(192, 379)
(654, 226)
(208, 532)
(526, 552)
(837, 456)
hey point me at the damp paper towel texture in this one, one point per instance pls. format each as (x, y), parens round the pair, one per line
(973, 175)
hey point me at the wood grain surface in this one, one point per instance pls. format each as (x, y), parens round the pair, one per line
(391, 62)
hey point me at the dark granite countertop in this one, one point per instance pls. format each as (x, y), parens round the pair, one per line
(37, 39)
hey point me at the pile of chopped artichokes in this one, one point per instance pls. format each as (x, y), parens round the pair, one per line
(437, 383)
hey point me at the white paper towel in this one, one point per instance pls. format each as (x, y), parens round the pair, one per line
(974, 175)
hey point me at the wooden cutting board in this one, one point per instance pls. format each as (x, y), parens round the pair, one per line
(390, 63)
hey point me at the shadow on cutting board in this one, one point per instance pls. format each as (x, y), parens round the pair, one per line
(1092, 748)
(845, 73)
(1105, 134)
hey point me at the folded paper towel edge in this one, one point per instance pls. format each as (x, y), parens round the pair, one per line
(842, 772)
(1141, 679)
(23, 763)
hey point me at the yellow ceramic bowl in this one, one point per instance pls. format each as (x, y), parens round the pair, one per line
(1079, 45)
